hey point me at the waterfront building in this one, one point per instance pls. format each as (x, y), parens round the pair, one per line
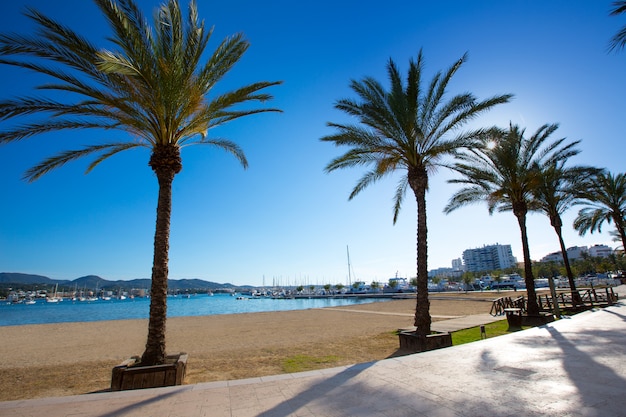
(577, 252)
(445, 273)
(457, 264)
(600, 251)
(489, 258)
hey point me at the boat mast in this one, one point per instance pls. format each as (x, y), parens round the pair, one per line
(349, 275)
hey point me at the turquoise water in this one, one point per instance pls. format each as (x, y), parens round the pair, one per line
(138, 308)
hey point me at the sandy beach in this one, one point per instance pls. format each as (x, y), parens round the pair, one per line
(75, 358)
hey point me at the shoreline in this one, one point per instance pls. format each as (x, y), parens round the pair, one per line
(42, 360)
(122, 334)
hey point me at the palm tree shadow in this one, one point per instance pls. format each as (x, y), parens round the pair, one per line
(136, 406)
(318, 390)
(594, 380)
(623, 317)
(399, 352)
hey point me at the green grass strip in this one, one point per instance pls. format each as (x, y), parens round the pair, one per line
(472, 334)
(300, 363)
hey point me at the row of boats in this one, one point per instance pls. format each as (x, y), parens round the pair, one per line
(53, 299)
(31, 298)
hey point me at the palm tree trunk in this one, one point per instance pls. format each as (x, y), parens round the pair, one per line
(568, 269)
(532, 307)
(419, 183)
(619, 225)
(166, 164)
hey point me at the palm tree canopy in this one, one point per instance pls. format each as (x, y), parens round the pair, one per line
(505, 170)
(410, 126)
(619, 39)
(560, 187)
(154, 85)
(605, 200)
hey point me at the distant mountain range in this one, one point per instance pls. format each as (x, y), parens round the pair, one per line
(94, 281)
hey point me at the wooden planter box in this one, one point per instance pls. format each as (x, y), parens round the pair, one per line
(410, 342)
(131, 375)
(540, 320)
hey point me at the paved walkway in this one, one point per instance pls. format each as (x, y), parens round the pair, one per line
(574, 367)
(450, 324)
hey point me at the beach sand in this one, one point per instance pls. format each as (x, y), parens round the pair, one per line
(75, 358)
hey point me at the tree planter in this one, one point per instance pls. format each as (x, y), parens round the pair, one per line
(538, 320)
(131, 375)
(410, 342)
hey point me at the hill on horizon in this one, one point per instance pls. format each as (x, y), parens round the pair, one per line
(94, 281)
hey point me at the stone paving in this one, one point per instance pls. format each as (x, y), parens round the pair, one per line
(574, 367)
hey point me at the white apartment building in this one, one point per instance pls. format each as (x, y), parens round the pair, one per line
(577, 252)
(489, 258)
(457, 264)
(600, 251)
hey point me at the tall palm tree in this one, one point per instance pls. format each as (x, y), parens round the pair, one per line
(155, 87)
(504, 173)
(605, 197)
(619, 39)
(558, 190)
(408, 128)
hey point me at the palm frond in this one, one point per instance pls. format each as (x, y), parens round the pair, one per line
(230, 147)
(33, 129)
(367, 179)
(464, 197)
(618, 41)
(399, 197)
(62, 158)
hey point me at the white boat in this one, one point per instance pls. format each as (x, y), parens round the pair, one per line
(512, 282)
(54, 298)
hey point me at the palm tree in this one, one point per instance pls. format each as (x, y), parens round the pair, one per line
(155, 88)
(619, 40)
(407, 128)
(605, 197)
(504, 173)
(558, 190)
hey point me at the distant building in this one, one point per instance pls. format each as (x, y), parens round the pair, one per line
(489, 258)
(600, 251)
(577, 252)
(445, 273)
(457, 264)
(555, 257)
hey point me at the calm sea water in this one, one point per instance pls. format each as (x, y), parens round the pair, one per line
(138, 308)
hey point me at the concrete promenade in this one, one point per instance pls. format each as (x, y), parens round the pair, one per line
(573, 367)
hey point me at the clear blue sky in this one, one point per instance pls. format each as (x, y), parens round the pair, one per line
(284, 220)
